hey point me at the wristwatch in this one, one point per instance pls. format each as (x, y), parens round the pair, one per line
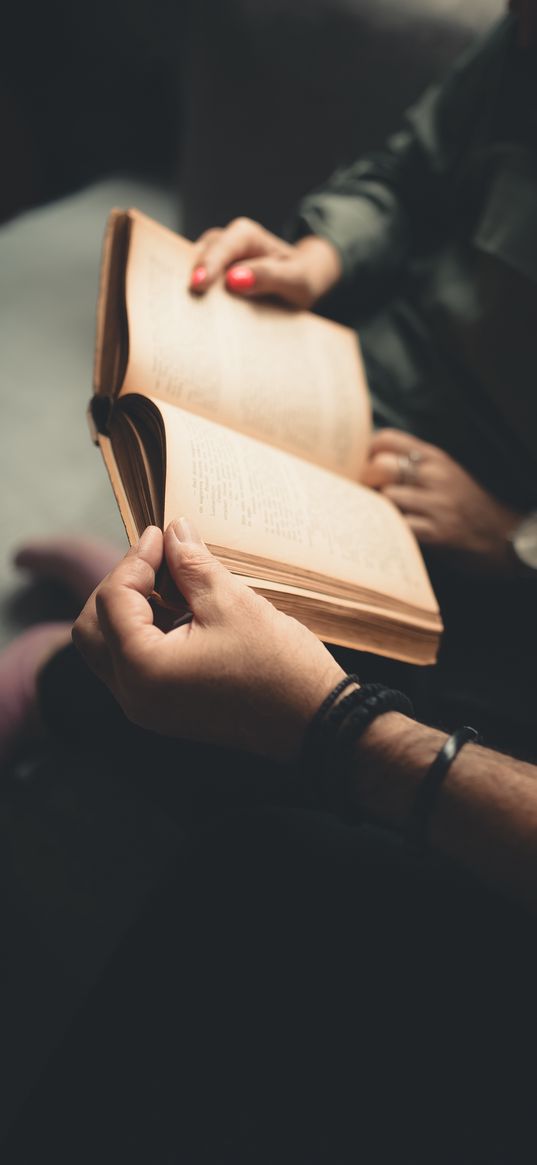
(523, 541)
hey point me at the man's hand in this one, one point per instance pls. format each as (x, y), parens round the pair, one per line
(442, 504)
(257, 263)
(239, 674)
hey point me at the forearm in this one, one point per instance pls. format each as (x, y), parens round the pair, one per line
(485, 817)
(323, 264)
(366, 224)
(395, 202)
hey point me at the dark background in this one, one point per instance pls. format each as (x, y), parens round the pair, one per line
(86, 89)
(242, 104)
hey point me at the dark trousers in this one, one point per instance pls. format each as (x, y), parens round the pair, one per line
(293, 991)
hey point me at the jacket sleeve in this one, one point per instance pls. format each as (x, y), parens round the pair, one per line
(391, 205)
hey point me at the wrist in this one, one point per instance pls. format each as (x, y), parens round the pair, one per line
(301, 710)
(522, 545)
(390, 761)
(502, 551)
(489, 551)
(332, 743)
(324, 267)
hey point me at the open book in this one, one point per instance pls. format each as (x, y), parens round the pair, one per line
(254, 421)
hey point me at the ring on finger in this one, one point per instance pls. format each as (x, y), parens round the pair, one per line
(407, 464)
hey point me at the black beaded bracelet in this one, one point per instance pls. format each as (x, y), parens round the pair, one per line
(330, 700)
(327, 750)
(427, 792)
(320, 731)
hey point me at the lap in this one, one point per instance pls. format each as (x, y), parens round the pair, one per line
(303, 982)
(301, 992)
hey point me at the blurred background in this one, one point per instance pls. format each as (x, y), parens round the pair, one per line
(256, 99)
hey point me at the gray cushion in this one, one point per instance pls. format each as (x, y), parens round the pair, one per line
(49, 266)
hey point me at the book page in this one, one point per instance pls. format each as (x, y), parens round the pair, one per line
(287, 377)
(260, 502)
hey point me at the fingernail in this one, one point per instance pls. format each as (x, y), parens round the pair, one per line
(198, 277)
(240, 278)
(185, 531)
(144, 539)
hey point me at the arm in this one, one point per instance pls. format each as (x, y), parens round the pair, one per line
(485, 818)
(390, 204)
(361, 227)
(244, 675)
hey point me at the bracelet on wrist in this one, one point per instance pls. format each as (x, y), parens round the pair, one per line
(327, 760)
(428, 790)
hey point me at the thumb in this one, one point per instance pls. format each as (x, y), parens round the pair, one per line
(279, 275)
(199, 576)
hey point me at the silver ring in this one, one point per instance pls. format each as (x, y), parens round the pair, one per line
(407, 465)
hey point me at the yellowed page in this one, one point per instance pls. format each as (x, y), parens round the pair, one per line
(286, 377)
(361, 626)
(421, 623)
(261, 502)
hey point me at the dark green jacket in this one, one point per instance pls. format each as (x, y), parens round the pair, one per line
(438, 239)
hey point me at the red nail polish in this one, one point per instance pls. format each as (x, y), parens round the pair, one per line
(240, 278)
(198, 276)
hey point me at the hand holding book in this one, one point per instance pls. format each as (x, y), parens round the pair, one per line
(257, 263)
(240, 674)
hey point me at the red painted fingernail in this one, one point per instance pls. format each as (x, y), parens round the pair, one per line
(240, 278)
(198, 276)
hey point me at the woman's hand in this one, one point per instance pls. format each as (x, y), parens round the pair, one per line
(442, 504)
(240, 674)
(258, 263)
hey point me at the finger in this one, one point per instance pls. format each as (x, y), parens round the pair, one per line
(207, 237)
(382, 470)
(198, 272)
(206, 585)
(242, 239)
(410, 499)
(274, 275)
(397, 441)
(90, 642)
(398, 469)
(124, 613)
(422, 528)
